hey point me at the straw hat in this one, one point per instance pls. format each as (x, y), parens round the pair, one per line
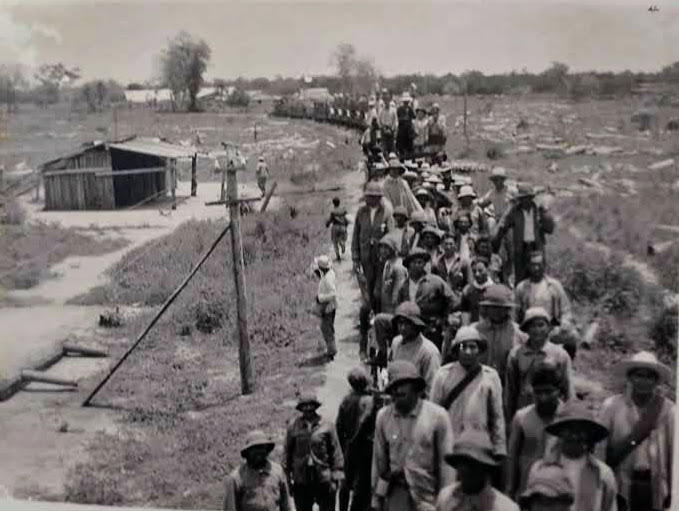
(645, 360)
(469, 333)
(400, 210)
(418, 216)
(466, 191)
(498, 295)
(409, 311)
(430, 229)
(261, 158)
(257, 438)
(472, 444)
(373, 190)
(323, 262)
(576, 414)
(308, 399)
(524, 190)
(498, 173)
(409, 174)
(549, 481)
(423, 192)
(415, 253)
(406, 97)
(403, 371)
(534, 313)
(389, 241)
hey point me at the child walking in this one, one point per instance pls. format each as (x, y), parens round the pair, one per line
(338, 232)
(326, 302)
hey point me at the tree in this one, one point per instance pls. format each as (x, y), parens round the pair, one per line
(344, 59)
(183, 64)
(51, 78)
(12, 78)
(135, 86)
(238, 98)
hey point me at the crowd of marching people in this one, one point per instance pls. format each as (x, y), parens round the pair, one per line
(471, 405)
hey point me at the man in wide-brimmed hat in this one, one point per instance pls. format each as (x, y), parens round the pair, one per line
(541, 290)
(474, 292)
(258, 484)
(326, 302)
(433, 295)
(371, 223)
(409, 470)
(522, 359)
(593, 481)
(475, 462)
(410, 344)
(402, 232)
(466, 206)
(498, 327)
(388, 121)
(394, 274)
(641, 440)
(396, 189)
(450, 266)
(499, 197)
(431, 241)
(426, 200)
(530, 223)
(528, 441)
(548, 489)
(313, 457)
(471, 391)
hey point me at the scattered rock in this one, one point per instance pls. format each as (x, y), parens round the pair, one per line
(577, 149)
(662, 164)
(653, 151)
(111, 319)
(553, 168)
(605, 150)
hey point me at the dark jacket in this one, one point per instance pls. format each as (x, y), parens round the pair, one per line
(367, 234)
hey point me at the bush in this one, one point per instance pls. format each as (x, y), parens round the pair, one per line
(13, 213)
(664, 327)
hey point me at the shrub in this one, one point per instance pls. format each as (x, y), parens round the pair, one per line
(664, 326)
(13, 213)
(495, 152)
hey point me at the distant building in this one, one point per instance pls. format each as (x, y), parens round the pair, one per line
(314, 94)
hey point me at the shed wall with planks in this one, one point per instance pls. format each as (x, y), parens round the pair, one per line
(79, 189)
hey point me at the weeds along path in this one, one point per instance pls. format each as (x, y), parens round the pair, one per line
(348, 301)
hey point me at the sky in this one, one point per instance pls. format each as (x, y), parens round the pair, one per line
(122, 40)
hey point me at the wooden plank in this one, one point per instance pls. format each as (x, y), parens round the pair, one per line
(69, 172)
(134, 172)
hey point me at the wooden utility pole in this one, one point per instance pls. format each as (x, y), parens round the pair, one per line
(173, 177)
(246, 378)
(194, 177)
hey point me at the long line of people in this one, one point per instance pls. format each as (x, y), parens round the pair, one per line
(474, 405)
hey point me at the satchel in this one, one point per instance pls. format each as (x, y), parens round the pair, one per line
(459, 388)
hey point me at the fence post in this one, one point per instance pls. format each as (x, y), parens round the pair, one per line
(239, 280)
(194, 177)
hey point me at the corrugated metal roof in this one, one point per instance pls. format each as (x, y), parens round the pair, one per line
(155, 147)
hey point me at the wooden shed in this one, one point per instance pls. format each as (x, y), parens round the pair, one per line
(109, 175)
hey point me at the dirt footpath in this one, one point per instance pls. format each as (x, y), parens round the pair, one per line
(348, 301)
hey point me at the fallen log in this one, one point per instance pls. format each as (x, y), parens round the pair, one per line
(222, 202)
(34, 376)
(85, 352)
(662, 164)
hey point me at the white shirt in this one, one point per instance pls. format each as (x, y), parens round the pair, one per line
(372, 215)
(465, 253)
(528, 227)
(412, 288)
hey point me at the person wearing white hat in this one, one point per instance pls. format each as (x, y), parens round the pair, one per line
(396, 189)
(640, 445)
(405, 133)
(466, 197)
(262, 173)
(523, 358)
(326, 302)
(258, 484)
